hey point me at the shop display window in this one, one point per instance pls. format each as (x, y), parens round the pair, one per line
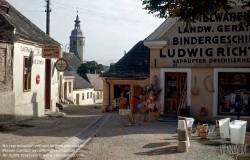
(234, 93)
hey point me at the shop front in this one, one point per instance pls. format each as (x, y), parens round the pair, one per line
(205, 68)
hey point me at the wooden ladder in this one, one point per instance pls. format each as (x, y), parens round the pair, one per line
(183, 97)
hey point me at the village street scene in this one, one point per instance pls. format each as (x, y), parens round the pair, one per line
(90, 80)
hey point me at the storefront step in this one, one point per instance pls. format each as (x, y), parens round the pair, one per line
(168, 118)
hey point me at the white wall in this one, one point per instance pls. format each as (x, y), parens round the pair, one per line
(54, 85)
(100, 100)
(86, 101)
(32, 103)
(69, 95)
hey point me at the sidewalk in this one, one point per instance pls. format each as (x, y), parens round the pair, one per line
(44, 134)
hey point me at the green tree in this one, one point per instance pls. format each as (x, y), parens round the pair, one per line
(191, 10)
(90, 67)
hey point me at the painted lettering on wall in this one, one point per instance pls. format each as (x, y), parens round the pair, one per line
(25, 49)
(38, 62)
(232, 47)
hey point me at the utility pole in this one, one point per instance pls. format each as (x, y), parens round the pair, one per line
(48, 10)
(47, 62)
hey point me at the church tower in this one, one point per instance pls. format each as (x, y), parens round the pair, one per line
(77, 41)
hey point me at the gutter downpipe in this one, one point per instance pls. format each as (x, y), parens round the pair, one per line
(109, 90)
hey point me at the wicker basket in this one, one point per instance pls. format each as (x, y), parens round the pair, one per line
(203, 133)
(202, 127)
(195, 90)
(126, 112)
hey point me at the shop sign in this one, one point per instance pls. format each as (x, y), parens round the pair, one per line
(61, 65)
(219, 41)
(37, 79)
(51, 51)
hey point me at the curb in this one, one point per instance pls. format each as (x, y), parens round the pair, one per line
(70, 147)
(89, 139)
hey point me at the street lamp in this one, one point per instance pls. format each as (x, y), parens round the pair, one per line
(68, 55)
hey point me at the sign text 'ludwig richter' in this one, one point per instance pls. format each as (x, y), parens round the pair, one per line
(51, 51)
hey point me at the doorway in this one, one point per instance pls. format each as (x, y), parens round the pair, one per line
(118, 89)
(174, 90)
(47, 83)
(77, 99)
(65, 90)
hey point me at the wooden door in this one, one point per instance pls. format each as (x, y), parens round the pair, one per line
(47, 83)
(77, 99)
(65, 90)
(174, 84)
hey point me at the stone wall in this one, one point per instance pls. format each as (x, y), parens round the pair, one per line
(6, 65)
(7, 96)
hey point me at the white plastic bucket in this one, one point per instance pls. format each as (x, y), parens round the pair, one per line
(189, 121)
(182, 124)
(238, 131)
(224, 127)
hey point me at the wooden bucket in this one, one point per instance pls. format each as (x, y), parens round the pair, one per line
(203, 133)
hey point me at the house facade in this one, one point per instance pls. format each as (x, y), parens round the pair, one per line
(76, 89)
(97, 82)
(23, 74)
(207, 65)
(127, 76)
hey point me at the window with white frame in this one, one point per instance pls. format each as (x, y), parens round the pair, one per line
(88, 95)
(27, 73)
(101, 95)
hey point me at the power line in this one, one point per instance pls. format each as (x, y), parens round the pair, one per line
(99, 39)
(31, 11)
(103, 15)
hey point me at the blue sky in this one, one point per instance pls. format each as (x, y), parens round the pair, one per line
(110, 27)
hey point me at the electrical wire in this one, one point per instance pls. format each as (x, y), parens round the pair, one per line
(99, 39)
(101, 14)
(66, 16)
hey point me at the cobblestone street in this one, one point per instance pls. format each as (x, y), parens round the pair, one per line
(149, 140)
(111, 137)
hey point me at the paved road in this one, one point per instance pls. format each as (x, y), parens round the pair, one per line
(149, 140)
(109, 137)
